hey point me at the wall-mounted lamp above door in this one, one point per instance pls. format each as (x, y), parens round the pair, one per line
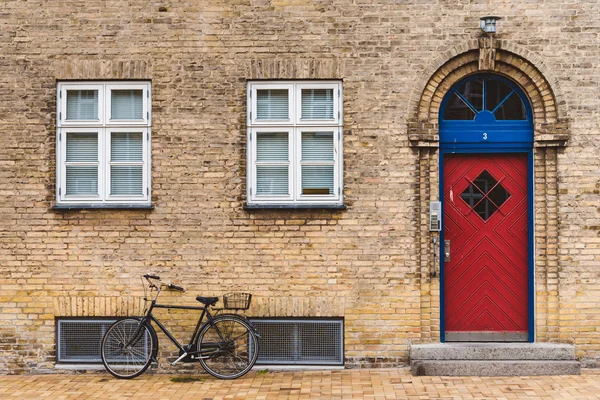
(488, 24)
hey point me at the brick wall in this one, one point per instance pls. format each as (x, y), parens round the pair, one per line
(369, 263)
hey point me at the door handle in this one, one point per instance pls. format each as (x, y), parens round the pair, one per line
(446, 251)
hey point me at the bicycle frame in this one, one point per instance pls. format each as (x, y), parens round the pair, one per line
(184, 352)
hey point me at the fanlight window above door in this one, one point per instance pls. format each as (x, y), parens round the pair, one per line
(485, 95)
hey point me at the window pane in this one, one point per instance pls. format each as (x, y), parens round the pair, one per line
(272, 104)
(473, 92)
(512, 109)
(82, 147)
(127, 104)
(485, 195)
(317, 103)
(457, 109)
(317, 146)
(317, 180)
(126, 180)
(495, 92)
(82, 104)
(272, 180)
(82, 180)
(272, 146)
(126, 146)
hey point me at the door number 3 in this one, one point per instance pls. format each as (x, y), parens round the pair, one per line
(484, 136)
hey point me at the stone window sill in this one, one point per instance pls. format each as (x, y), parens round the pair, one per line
(67, 207)
(252, 207)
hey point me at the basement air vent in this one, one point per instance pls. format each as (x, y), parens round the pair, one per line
(78, 340)
(300, 341)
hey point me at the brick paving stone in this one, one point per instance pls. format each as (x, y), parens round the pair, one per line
(299, 385)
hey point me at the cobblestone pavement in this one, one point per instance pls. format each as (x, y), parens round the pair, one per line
(338, 384)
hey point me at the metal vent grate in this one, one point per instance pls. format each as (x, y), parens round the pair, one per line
(79, 339)
(300, 342)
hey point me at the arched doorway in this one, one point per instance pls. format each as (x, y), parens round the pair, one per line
(486, 187)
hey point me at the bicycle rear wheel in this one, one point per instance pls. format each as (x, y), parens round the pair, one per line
(228, 347)
(127, 348)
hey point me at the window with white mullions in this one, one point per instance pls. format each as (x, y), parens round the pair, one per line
(127, 104)
(294, 151)
(126, 164)
(317, 104)
(82, 105)
(103, 143)
(317, 166)
(272, 104)
(272, 163)
(81, 164)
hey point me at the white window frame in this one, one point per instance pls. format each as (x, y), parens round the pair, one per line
(145, 99)
(109, 163)
(337, 105)
(336, 131)
(62, 154)
(295, 126)
(104, 127)
(252, 116)
(290, 163)
(62, 104)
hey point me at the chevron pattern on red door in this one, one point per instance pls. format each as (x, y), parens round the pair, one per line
(485, 219)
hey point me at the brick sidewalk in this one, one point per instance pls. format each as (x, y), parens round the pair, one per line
(339, 384)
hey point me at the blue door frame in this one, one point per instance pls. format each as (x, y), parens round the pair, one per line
(484, 135)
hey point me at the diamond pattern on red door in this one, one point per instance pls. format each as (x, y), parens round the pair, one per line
(485, 219)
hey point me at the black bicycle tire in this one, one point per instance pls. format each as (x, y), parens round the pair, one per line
(150, 357)
(252, 339)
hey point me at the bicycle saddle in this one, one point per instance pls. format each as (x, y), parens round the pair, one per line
(207, 301)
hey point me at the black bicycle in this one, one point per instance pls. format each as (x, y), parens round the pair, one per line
(226, 344)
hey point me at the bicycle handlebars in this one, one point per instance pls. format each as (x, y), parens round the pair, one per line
(169, 286)
(175, 287)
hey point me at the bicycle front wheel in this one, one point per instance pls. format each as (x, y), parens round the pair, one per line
(228, 347)
(127, 348)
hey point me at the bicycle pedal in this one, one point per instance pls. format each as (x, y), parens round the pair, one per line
(188, 358)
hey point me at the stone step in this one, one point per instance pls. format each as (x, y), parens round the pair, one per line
(493, 368)
(493, 351)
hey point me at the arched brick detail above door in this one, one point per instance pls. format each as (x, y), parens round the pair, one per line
(551, 124)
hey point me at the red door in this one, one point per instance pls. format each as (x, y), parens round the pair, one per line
(485, 231)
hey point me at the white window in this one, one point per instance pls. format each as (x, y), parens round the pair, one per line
(103, 143)
(295, 143)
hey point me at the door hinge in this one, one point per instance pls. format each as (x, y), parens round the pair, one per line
(60, 94)
(147, 191)
(339, 136)
(147, 136)
(60, 137)
(59, 192)
(147, 114)
(339, 191)
(60, 116)
(339, 92)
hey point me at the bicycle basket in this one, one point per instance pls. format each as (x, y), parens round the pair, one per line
(237, 301)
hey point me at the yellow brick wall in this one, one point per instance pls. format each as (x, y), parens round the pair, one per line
(370, 263)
